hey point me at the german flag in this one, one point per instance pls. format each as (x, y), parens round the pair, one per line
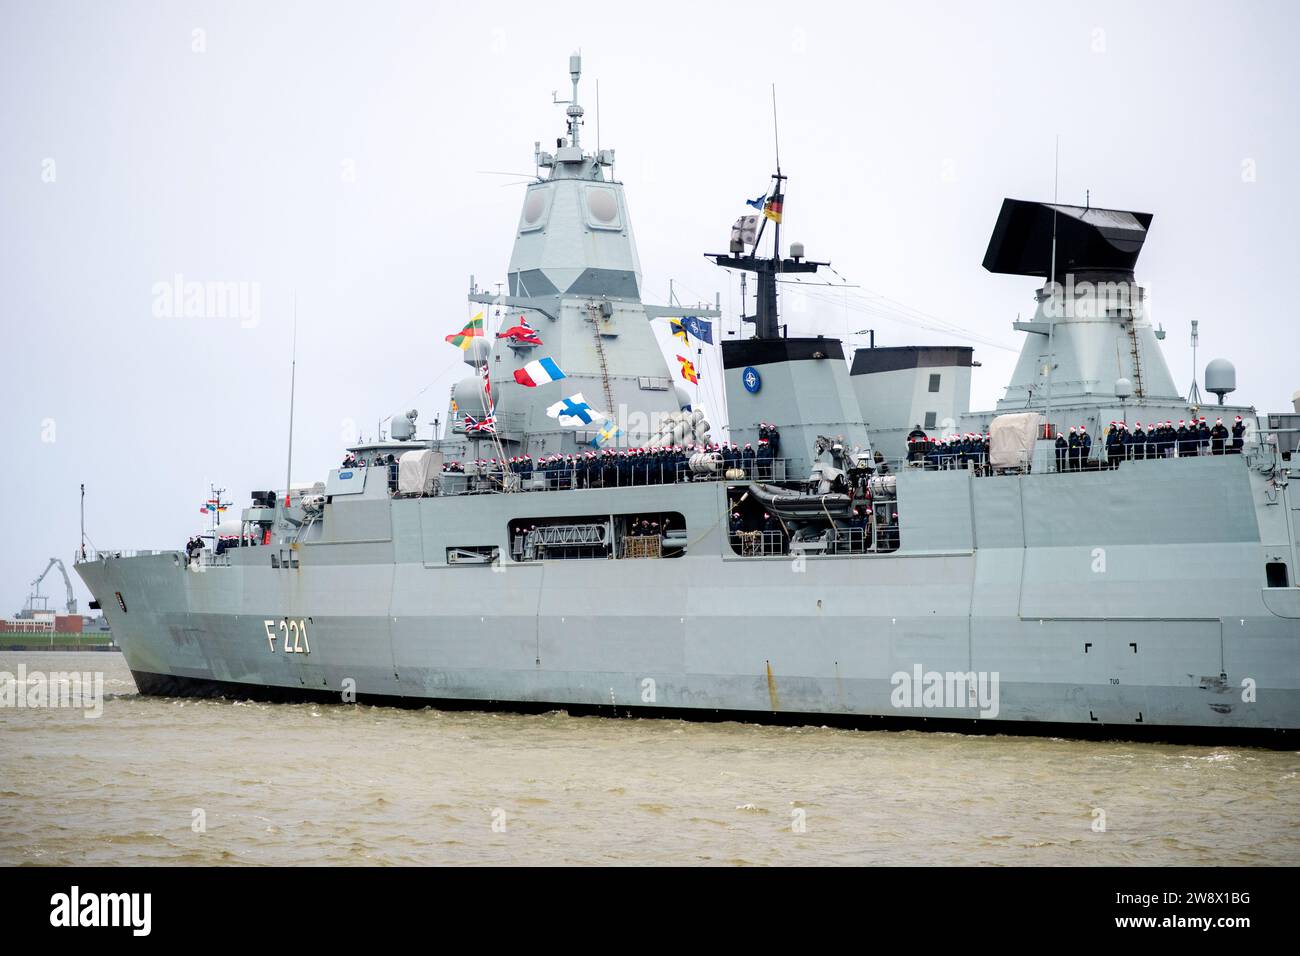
(688, 370)
(772, 209)
(473, 329)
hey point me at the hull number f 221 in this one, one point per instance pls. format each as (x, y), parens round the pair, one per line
(294, 632)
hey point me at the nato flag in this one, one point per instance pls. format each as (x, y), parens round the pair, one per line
(700, 328)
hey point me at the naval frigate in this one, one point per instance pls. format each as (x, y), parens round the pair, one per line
(896, 558)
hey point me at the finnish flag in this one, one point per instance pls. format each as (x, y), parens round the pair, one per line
(574, 411)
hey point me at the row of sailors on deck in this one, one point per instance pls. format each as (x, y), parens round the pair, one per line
(1163, 440)
(632, 466)
(955, 451)
(351, 460)
(196, 545)
(1071, 453)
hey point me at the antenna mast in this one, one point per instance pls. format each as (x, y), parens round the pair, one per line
(1194, 393)
(776, 133)
(766, 317)
(293, 376)
(1051, 285)
(217, 506)
(574, 112)
(776, 143)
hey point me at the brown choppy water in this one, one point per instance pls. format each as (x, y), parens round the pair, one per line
(312, 784)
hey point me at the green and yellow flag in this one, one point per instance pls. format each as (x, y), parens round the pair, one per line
(473, 329)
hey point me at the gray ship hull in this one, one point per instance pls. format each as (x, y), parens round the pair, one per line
(1128, 602)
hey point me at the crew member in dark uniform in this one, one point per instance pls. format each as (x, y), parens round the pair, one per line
(764, 460)
(1218, 437)
(1113, 446)
(1238, 436)
(1062, 449)
(772, 527)
(859, 523)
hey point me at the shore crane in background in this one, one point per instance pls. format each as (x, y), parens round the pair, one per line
(36, 588)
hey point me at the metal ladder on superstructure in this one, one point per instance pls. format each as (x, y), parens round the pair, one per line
(1138, 391)
(594, 311)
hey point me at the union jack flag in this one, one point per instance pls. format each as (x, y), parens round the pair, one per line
(474, 425)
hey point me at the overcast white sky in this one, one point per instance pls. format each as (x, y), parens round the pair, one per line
(335, 149)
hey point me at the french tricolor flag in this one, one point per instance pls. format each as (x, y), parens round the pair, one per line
(539, 373)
